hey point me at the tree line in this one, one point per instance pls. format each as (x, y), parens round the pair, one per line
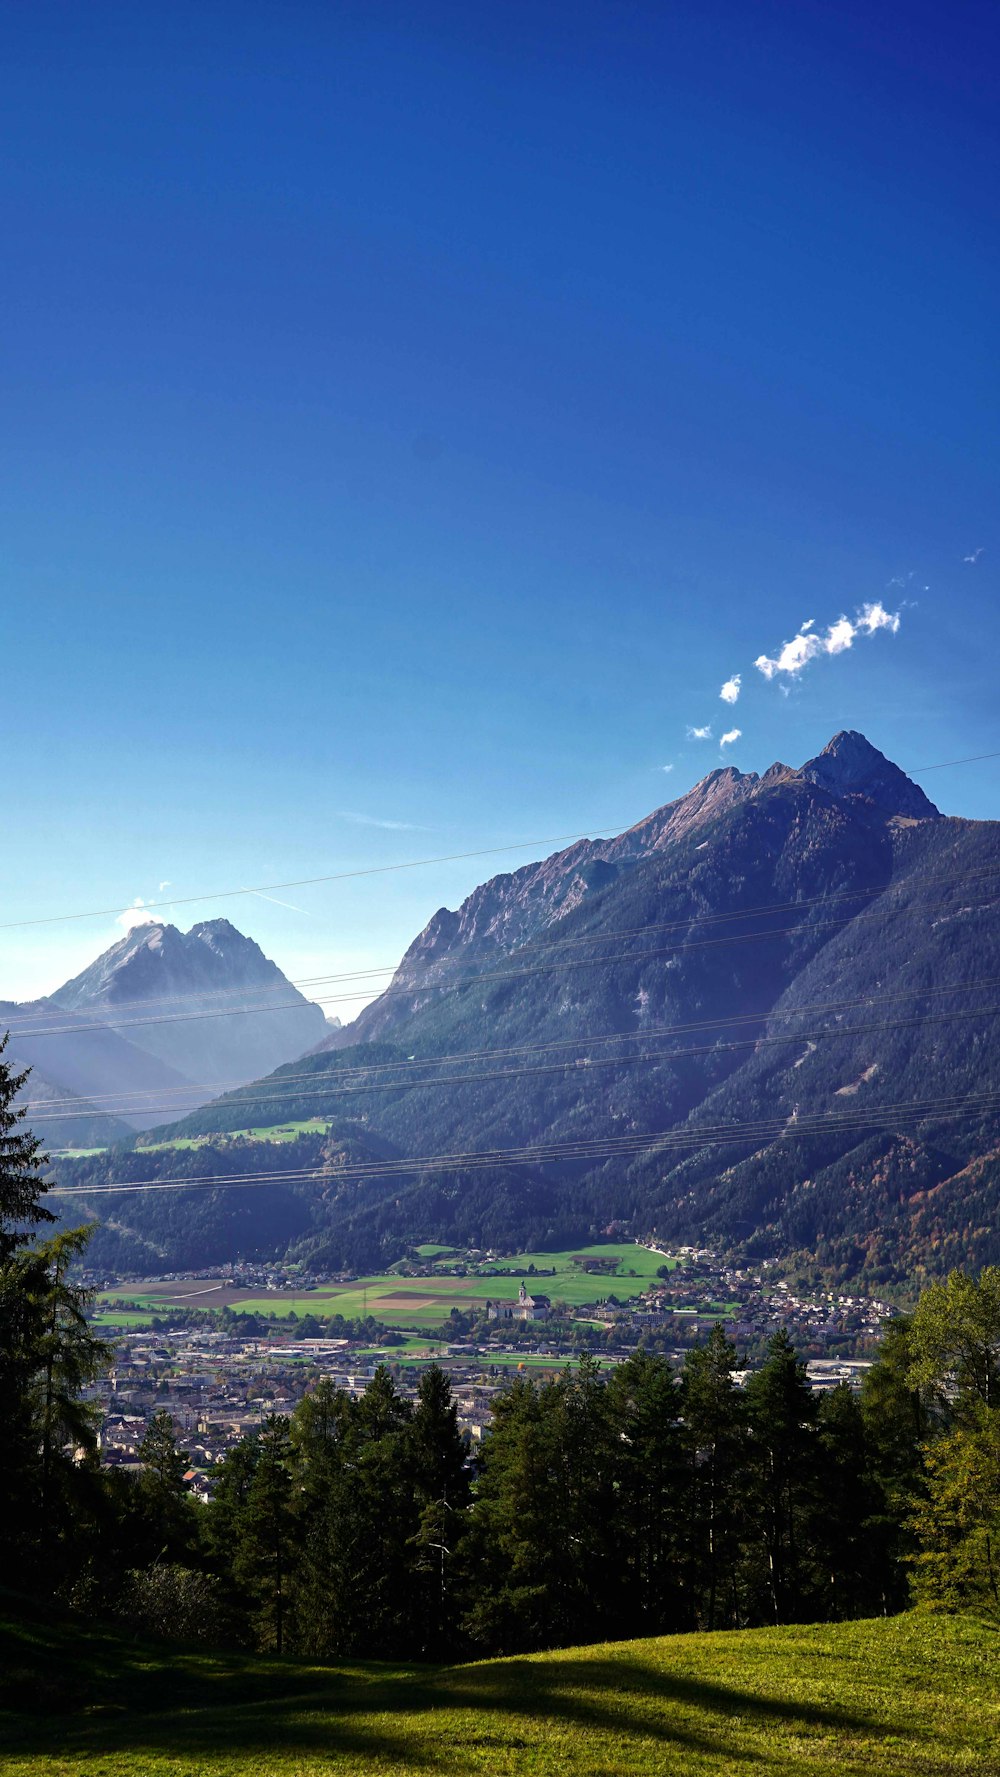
(601, 1504)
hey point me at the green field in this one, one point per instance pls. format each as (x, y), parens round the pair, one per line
(412, 1302)
(914, 1696)
(272, 1132)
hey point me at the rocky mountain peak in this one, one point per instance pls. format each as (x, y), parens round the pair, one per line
(849, 766)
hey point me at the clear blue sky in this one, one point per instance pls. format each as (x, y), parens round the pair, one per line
(414, 414)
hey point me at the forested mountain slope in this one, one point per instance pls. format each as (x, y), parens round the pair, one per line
(810, 948)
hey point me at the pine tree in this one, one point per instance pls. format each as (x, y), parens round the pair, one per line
(652, 1500)
(22, 1166)
(899, 1417)
(847, 1533)
(47, 1353)
(517, 1525)
(264, 1556)
(781, 1413)
(437, 1459)
(715, 1437)
(165, 1501)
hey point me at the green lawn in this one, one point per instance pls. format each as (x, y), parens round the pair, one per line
(913, 1696)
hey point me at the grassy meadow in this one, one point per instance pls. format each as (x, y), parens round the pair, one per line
(414, 1303)
(909, 1695)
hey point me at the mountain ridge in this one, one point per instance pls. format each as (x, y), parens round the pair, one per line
(731, 965)
(160, 1018)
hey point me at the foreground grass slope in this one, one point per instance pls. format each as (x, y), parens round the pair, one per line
(915, 1694)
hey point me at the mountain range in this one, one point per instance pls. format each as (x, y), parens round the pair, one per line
(763, 1018)
(159, 1024)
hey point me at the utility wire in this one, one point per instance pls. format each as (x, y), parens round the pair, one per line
(542, 942)
(583, 1065)
(486, 977)
(620, 829)
(540, 1153)
(328, 1081)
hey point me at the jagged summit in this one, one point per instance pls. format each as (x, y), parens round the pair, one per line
(850, 766)
(206, 1001)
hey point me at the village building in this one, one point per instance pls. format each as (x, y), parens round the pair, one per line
(525, 1308)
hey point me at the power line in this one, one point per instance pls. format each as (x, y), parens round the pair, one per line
(484, 977)
(542, 941)
(327, 1080)
(584, 1064)
(919, 770)
(539, 1153)
(267, 888)
(620, 829)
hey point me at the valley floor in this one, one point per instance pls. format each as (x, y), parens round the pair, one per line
(914, 1694)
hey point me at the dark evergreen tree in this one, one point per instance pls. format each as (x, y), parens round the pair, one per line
(516, 1530)
(163, 1494)
(715, 1438)
(264, 1556)
(438, 1464)
(22, 1166)
(853, 1567)
(650, 1514)
(781, 1414)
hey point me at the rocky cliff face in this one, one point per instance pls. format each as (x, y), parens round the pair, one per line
(513, 909)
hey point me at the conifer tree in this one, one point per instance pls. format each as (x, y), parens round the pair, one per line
(22, 1166)
(781, 1413)
(438, 1464)
(165, 1501)
(264, 1556)
(715, 1436)
(651, 1500)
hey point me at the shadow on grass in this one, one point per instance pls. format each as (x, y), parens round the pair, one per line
(92, 1693)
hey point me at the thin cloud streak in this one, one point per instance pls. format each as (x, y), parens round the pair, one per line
(370, 820)
(276, 903)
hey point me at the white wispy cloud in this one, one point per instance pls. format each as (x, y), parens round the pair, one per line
(275, 902)
(731, 689)
(836, 639)
(370, 820)
(699, 733)
(731, 734)
(163, 885)
(139, 914)
(973, 558)
(666, 768)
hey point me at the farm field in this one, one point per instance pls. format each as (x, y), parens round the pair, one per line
(272, 1132)
(911, 1696)
(411, 1302)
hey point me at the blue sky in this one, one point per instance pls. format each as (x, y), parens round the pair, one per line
(414, 415)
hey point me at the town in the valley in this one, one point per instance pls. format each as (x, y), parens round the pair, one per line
(219, 1372)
